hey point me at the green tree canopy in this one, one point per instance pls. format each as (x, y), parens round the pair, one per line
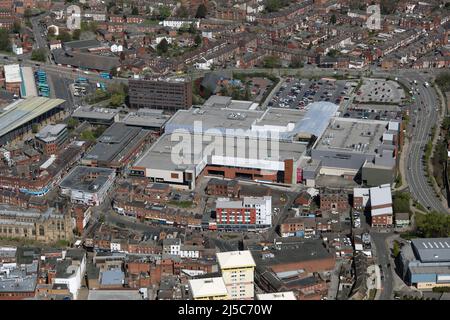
(64, 36)
(17, 27)
(183, 12)
(271, 62)
(134, 11)
(5, 43)
(76, 34)
(433, 225)
(198, 40)
(39, 55)
(162, 47)
(333, 19)
(201, 11)
(164, 12)
(72, 123)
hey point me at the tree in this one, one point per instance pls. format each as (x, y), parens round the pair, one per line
(271, 62)
(5, 43)
(192, 29)
(396, 249)
(164, 12)
(117, 99)
(333, 19)
(17, 27)
(27, 13)
(201, 11)
(76, 34)
(162, 47)
(98, 131)
(272, 5)
(198, 40)
(64, 36)
(433, 225)
(87, 135)
(333, 53)
(113, 72)
(183, 12)
(135, 11)
(34, 128)
(296, 62)
(401, 202)
(39, 55)
(51, 32)
(72, 123)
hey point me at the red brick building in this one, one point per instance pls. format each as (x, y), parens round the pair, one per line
(335, 200)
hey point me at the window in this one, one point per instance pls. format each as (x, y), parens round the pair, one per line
(41, 231)
(174, 175)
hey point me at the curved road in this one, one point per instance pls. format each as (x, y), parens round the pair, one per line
(425, 119)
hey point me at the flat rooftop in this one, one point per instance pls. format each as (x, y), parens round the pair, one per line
(235, 259)
(49, 132)
(212, 118)
(114, 295)
(22, 111)
(280, 117)
(28, 87)
(12, 73)
(116, 143)
(146, 118)
(87, 179)
(432, 249)
(352, 135)
(95, 113)
(296, 252)
(159, 155)
(207, 287)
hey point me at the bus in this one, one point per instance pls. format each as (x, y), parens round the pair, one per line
(82, 80)
(105, 75)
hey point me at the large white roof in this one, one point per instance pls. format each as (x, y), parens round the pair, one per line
(235, 259)
(207, 287)
(12, 73)
(381, 211)
(380, 195)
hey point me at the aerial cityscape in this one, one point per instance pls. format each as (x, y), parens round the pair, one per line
(225, 150)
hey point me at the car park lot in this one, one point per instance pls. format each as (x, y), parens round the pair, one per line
(379, 90)
(297, 93)
(372, 111)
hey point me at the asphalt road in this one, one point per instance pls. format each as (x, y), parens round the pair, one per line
(425, 119)
(382, 257)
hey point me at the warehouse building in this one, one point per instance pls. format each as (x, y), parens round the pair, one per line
(425, 263)
(18, 118)
(96, 116)
(86, 185)
(116, 147)
(149, 119)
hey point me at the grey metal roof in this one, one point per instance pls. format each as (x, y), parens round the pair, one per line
(432, 249)
(112, 277)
